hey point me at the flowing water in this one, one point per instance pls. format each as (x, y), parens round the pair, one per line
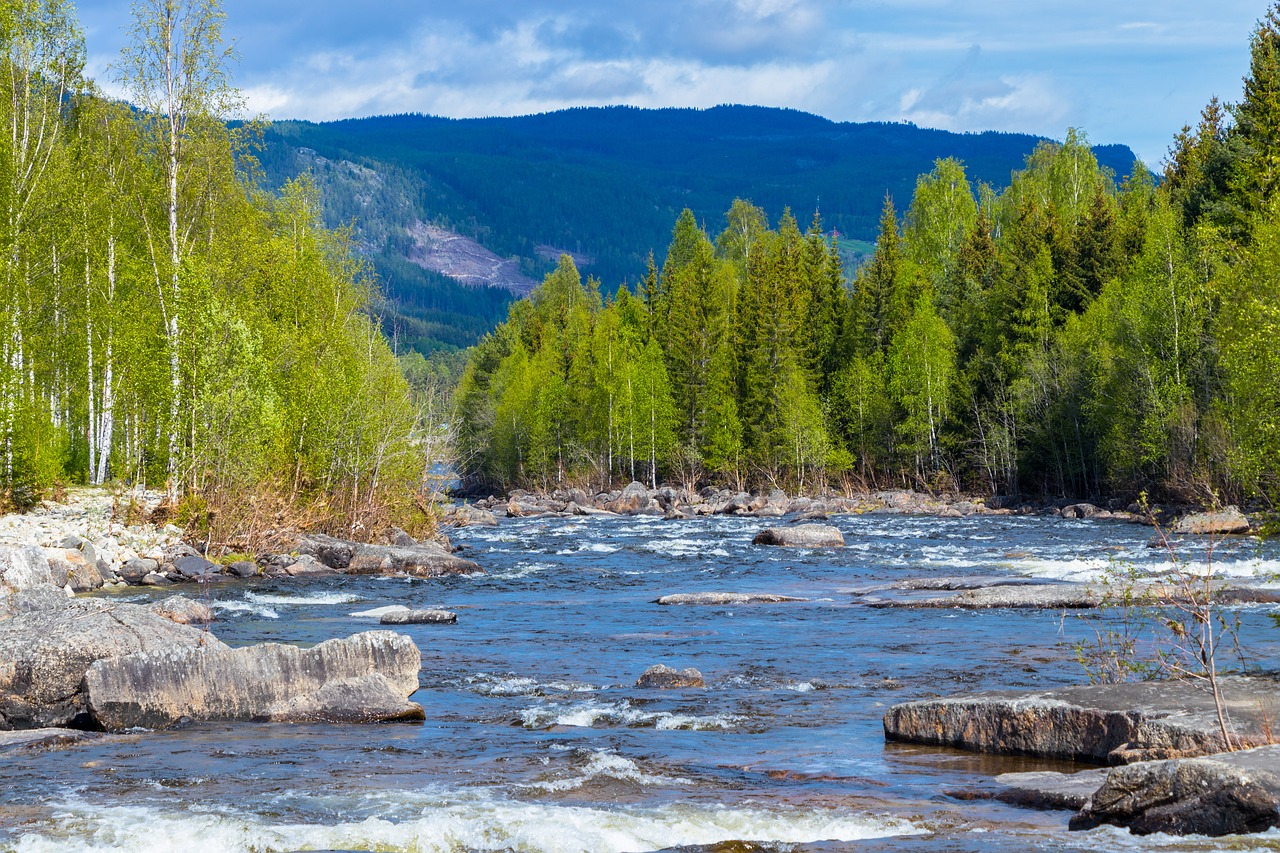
(537, 740)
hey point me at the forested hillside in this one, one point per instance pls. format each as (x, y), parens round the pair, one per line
(1069, 335)
(602, 183)
(165, 322)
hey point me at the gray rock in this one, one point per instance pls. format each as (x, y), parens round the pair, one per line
(1049, 790)
(1228, 521)
(665, 678)
(133, 571)
(1223, 795)
(70, 567)
(194, 567)
(634, 498)
(23, 567)
(307, 566)
(184, 611)
(1058, 596)
(155, 579)
(243, 569)
(1080, 510)
(46, 738)
(418, 617)
(45, 652)
(363, 678)
(720, 598)
(428, 560)
(469, 516)
(1102, 723)
(801, 536)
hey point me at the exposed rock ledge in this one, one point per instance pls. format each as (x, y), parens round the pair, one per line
(1103, 724)
(363, 678)
(1223, 794)
(91, 664)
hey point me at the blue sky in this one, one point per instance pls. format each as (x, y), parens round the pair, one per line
(1131, 72)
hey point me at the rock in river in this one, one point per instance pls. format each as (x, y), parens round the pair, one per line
(1103, 723)
(418, 617)
(363, 678)
(801, 536)
(425, 560)
(664, 677)
(1224, 795)
(719, 598)
(45, 652)
(1228, 521)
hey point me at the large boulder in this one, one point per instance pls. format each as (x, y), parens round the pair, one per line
(70, 567)
(183, 610)
(45, 651)
(22, 567)
(634, 498)
(801, 536)
(469, 516)
(1102, 723)
(1227, 521)
(428, 559)
(363, 678)
(1226, 795)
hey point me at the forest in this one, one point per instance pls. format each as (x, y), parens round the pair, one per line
(1070, 334)
(605, 183)
(165, 321)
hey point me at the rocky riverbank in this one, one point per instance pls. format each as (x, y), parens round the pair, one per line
(94, 664)
(673, 502)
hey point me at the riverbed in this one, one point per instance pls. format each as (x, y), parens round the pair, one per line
(537, 739)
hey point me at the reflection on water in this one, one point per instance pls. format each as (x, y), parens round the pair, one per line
(537, 739)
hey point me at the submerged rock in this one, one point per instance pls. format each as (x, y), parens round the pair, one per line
(664, 677)
(363, 678)
(418, 617)
(714, 598)
(801, 536)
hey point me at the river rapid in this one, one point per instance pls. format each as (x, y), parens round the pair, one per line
(537, 740)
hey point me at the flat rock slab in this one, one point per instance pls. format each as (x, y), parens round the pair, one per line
(363, 678)
(428, 559)
(418, 617)
(47, 738)
(1026, 594)
(801, 536)
(1101, 724)
(1056, 596)
(719, 598)
(1049, 790)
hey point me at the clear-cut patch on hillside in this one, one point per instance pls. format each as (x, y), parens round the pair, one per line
(464, 260)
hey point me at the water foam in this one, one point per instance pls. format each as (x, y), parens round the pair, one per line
(319, 598)
(592, 713)
(245, 607)
(608, 765)
(450, 824)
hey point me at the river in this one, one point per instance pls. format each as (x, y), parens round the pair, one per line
(537, 740)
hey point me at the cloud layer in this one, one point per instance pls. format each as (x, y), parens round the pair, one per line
(1123, 71)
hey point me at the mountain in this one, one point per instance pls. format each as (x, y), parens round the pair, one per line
(442, 205)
